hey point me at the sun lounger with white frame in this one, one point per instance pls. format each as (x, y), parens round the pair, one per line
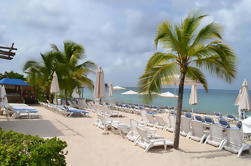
(147, 142)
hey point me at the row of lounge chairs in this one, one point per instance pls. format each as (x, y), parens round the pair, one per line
(204, 130)
(67, 111)
(137, 108)
(142, 136)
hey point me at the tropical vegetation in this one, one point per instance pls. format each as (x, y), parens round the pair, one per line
(12, 74)
(68, 64)
(189, 49)
(20, 149)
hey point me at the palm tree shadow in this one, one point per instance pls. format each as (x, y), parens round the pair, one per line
(208, 154)
(160, 150)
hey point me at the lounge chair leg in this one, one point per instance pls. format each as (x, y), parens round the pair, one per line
(222, 144)
(240, 151)
(203, 138)
(148, 147)
(165, 145)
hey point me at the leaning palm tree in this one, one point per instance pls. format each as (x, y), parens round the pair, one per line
(190, 49)
(71, 72)
(39, 74)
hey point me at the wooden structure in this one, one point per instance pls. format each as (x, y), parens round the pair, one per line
(7, 52)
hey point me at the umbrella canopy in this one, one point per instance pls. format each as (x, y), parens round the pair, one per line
(75, 93)
(130, 92)
(175, 79)
(3, 96)
(193, 95)
(168, 94)
(99, 89)
(118, 88)
(54, 84)
(110, 90)
(246, 125)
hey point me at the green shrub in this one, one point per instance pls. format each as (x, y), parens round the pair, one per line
(18, 149)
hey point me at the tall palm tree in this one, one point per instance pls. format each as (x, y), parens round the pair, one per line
(40, 73)
(191, 48)
(71, 72)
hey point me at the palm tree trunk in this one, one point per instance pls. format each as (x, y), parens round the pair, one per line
(178, 113)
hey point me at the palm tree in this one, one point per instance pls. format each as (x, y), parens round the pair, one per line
(71, 73)
(40, 73)
(190, 49)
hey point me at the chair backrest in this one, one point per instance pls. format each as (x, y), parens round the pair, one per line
(102, 119)
(160, 121)
(216, 133)
(185, 124)
(239, 124)
(234, 137)
(188, 115)
(198, 118)
(231, 116)
(133, 125)
(143, 116)
(208, 120)
(143, 134)
(172, 121)
(197, 128)
(224, 123)
(150, 118)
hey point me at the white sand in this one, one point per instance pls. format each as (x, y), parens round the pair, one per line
(88, 146)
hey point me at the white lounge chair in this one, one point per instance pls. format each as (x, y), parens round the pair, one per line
(104, 123)
(216, 136)
(185, 126)
(161, 123)
(143, 119)
(197, 131)
(133, 133)
(235, 142)
(147, 143)
(150, 120)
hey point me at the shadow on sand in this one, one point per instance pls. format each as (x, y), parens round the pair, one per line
(42, 128)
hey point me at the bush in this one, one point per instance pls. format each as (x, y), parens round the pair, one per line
(18, 149)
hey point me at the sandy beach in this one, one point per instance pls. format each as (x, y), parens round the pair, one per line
(88, 146)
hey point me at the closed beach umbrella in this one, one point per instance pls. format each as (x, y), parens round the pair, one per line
(118, 88)
(54, 84)
(99, 89)
(238, 98)
(243, 101)
(130, 92)
(110, 90)
(246, 125)
(168, 95)
(193, 95)
(3, 96)
(75, 93)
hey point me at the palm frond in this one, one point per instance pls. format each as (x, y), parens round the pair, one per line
(222, 63)
(197, 75)
(159, 58)
(207, 33)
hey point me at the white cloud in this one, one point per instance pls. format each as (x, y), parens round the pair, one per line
(117, 35)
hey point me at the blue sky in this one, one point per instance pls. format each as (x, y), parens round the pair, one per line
(117, 34)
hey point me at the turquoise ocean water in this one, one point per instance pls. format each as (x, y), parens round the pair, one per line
(210, 102)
